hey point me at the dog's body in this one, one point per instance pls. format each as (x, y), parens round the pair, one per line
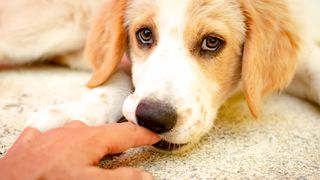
(188, 57)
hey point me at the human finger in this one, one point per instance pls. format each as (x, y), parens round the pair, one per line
(116, 138)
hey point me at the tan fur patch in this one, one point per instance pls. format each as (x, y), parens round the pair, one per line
(270, 51)
(144, 21)
(107, 41)
(222, 19)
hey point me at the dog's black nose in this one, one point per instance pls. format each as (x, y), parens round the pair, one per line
(156, 116)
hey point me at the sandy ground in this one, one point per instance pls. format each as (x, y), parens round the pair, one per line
(283, 144)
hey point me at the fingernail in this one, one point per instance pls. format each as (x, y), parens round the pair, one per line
(146, 176)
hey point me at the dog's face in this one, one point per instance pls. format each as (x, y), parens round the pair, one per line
(188, 61)
(188, 58)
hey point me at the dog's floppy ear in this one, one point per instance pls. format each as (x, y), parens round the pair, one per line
(270, 49)
(106, 43)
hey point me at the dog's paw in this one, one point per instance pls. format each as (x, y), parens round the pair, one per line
(92, 114)
(53, 117)
(97, 106)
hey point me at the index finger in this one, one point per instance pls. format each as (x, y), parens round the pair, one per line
(116, 138)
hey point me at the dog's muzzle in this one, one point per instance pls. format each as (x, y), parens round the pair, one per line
(160, 118)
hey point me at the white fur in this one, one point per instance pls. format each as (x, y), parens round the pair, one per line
(306, 83)
(170, 74)
(98, 106)
(36, 29)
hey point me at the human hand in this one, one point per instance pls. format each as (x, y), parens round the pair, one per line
(71, 152)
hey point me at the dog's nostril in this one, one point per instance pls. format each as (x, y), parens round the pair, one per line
(156, 116)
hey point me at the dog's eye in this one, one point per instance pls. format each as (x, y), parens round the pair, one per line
(145, 36)
(211, 44)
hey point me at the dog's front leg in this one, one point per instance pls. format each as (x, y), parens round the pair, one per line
(97, 106)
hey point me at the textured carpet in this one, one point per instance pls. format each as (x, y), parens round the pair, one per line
(283, 144)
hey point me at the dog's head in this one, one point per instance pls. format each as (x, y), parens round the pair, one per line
(189, 56)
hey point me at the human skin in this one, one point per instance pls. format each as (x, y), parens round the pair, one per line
(72, 152)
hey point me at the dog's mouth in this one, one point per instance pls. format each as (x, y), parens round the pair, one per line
(163, 144)
(168, 146)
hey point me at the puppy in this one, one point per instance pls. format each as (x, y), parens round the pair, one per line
(188, 57)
